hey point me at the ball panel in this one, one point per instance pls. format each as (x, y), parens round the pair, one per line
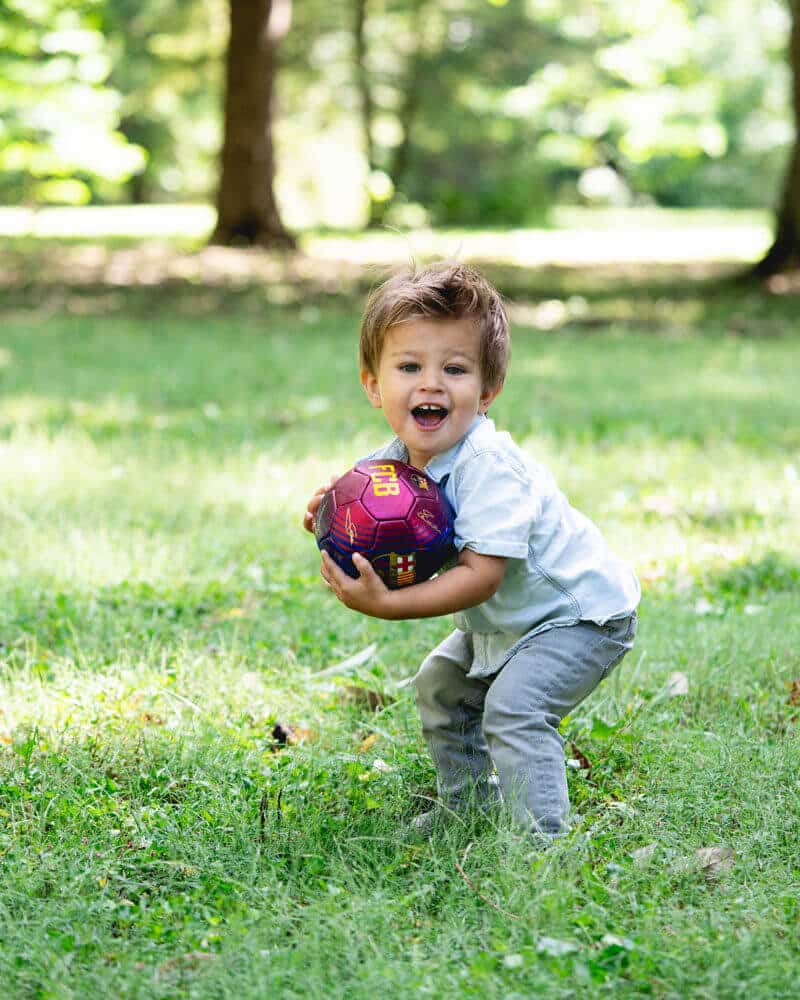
(394, 535)
(349, 487)
(322, 521)
(388, 495)
(352, 528)
(430, 523)
(419, 484)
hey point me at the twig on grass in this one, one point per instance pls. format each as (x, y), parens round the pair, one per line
(476, 890)
(184, 700)
(262, 819)
(348, 665)
(263, 805)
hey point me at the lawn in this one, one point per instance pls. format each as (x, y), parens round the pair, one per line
(200, 796)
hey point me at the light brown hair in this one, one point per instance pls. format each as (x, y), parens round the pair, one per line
(442, 290)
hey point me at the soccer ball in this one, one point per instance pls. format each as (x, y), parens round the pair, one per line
(394, 515)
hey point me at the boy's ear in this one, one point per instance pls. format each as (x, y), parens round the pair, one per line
(371, 388)
(488, 396)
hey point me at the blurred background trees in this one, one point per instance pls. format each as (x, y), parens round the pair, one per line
(403, 112)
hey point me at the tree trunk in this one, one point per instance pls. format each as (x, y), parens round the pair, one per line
(784, 254)
(362, 80)
(247, 213)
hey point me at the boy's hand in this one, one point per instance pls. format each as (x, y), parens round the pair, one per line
(367, 594)
(313, 505)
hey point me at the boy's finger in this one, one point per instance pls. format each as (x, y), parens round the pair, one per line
(330, 570)
(324, 570)
(363, 565)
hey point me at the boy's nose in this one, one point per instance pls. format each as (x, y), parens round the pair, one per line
(431, 379)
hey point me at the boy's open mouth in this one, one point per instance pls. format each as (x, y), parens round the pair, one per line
(429, 416)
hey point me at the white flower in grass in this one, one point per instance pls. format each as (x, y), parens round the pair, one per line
(613, 940)
(554, 947)
(642, 855)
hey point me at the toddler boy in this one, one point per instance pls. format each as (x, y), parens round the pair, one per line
(543, 608)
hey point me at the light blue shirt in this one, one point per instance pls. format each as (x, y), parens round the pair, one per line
(559, 571)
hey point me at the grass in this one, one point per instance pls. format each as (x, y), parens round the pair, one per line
(163, 629)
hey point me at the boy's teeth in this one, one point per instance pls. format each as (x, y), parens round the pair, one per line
(429, 414)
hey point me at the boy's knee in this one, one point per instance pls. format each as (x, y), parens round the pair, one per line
(425, 686)
(504, 718)
(433, 683)
(442, 672)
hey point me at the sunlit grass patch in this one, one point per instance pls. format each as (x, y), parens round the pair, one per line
(197, 799)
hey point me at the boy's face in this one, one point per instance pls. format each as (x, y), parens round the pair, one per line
(429, 384)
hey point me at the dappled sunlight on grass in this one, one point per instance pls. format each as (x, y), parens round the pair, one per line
(70, 251)
(538, 247)
(176, 691)
(188, 773)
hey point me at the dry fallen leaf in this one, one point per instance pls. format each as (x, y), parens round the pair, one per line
(369, 698)
(368, 742)
(794, 694)
(677, 684)
(583, 761)
(286, 735)
(190, 958)
(714, 860)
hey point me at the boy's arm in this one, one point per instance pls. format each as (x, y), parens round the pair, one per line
(472, 581)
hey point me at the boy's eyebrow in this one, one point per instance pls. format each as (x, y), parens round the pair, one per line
(409, 352)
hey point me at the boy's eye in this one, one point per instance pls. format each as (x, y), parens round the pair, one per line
(409, 366)
(454, 369)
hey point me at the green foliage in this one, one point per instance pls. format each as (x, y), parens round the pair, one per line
(483, 112)
(59, 133)
(99, 97)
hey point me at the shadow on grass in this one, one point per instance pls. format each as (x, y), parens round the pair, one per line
(142, 278)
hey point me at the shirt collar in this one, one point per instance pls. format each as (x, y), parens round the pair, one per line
(442, 465)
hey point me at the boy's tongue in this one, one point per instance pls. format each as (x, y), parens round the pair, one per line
(429, 418)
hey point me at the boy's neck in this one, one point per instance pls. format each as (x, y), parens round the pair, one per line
(417, 460)
(421, 459)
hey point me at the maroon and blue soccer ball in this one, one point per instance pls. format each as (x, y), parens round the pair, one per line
(394, 515)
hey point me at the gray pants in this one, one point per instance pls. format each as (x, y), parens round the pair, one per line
(509, 721)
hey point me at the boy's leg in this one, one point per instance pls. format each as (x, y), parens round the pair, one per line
(525, 704)
(451, 708)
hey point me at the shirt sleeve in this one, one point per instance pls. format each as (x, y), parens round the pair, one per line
(496, 507)
(392, 450)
